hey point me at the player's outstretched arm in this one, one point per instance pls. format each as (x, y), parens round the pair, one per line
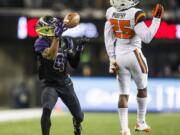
(146, 34)
(74, 58)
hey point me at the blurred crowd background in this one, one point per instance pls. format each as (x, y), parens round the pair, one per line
(78, 4)
(18, 65)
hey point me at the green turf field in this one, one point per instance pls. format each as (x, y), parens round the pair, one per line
(95, 124)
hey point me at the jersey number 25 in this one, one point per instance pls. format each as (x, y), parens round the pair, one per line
(122, 28)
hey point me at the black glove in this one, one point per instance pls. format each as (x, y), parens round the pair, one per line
(81, 43)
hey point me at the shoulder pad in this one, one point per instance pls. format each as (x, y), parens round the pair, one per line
(140, 16)
(109, 12)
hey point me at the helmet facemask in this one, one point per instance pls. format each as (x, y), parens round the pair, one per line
(46, 25)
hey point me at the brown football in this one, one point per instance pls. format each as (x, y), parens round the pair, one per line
(71, 20)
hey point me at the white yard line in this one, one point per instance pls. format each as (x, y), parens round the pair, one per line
(22, 114)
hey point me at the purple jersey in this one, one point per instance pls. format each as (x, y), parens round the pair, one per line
(54, 70)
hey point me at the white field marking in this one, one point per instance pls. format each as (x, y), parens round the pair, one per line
(23, 114)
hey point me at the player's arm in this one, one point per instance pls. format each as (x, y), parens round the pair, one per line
(74, 57)
(51, 52)
(110, 40)
(146, 34)
(109, 36)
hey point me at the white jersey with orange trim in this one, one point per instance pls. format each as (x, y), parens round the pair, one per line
(123, 29)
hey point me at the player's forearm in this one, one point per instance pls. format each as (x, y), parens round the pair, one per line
(109, 40)
(154, 28)
(111, 51)
(54, 47)
(51, 52)
(74, 59)
(147, 34)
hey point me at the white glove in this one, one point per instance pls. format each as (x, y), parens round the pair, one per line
(113, 66)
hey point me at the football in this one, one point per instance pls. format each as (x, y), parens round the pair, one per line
(71, 20)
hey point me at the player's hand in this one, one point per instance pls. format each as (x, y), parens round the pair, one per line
(113, 67)
(60, 28)
(81, 43)
(80, 48)
(158, 12)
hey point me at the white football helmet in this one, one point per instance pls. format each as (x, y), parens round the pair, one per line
(123, 4)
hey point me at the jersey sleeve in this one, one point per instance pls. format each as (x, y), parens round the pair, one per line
(109, 39)
(40, 44)
(140, 16)
(109, 12)
(147, 33)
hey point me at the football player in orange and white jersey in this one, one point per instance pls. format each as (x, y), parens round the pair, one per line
(125, 29)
